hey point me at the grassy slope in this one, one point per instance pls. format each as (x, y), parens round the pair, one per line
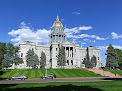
(65, 86)
(115, 71)
(60, 73)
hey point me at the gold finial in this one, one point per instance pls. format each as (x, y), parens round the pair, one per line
(57, 19)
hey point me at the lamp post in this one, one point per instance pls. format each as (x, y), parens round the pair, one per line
(35, 72)
(103, 65)
(73, 70)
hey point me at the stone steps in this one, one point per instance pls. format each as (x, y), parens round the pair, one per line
(103, 73)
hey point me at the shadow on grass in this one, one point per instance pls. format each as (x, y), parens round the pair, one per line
(68, 87)
(1, 73)
(114, 79)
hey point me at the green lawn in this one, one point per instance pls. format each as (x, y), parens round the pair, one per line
(60, 73)
(65, 86)
(115, 71)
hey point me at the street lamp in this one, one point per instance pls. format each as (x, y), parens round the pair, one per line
(35, 72)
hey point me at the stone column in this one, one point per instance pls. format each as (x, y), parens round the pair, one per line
(68, 51)
(55, 37)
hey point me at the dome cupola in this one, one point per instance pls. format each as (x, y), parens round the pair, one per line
(57, 22)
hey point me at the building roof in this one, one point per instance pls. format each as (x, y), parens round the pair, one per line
(57, 22)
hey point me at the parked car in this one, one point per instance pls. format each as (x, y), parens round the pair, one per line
(22, 77)
(49, 76)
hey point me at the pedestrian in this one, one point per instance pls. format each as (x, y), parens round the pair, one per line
(115, 74)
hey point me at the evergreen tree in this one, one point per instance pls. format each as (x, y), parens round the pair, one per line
(36, 62)
(119, 57)
(6, 62)
(43, 60)
(30, 58)
(3, 51)
(61, 59)
(87, 60)
(93, 61)
(111, 61)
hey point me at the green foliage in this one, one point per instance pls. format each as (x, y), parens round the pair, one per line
(87, 60)
(114, 71)
(10, 50)
(119, 57)
(16, 50)
(3, 51)
(93, 61)
(6, 62)
(111, 61)
(61, 59)
(30, 58)
(17, 60)
(43, 60)
(36, 62)
(60, 73)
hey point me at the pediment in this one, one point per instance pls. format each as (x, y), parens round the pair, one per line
(68, 43)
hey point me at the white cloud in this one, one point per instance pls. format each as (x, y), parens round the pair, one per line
(98, 38)
(62, 19)
(118, 47)
(83, 43)
(72, 33)
(94, 41)
(76, 13)
(85, 39)
(25, 33)
(105, 47)
(115, 35)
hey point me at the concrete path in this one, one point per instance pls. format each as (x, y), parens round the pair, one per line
(103, 73)
(79, 79)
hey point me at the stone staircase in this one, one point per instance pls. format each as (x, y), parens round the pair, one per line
(103, 73)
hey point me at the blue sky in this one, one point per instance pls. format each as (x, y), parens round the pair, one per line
(90, 22)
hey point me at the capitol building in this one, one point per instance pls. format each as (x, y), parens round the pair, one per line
(75, 54)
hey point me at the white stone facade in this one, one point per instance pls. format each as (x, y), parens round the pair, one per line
(74, 53)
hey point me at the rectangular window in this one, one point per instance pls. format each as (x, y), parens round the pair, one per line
(21, 54)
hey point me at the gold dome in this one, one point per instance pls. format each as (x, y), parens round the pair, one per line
(57, 22)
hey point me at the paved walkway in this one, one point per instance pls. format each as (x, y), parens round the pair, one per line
(103, 73)
(79, 79)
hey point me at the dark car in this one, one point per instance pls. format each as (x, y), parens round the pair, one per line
(49, 76)
(22, 77)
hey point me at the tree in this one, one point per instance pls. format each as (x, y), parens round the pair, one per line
(30, 58)
(6, 62)
(3, 51)
(16, 50)
(111, 61)
(87, 60)
(17, 60)
(43, 60)
(93, 61)
(10, 50)
(36, 61)
(61, 59)
(119, 57)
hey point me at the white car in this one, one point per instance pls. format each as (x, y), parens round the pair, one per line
(22, 77)
(49, 76)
